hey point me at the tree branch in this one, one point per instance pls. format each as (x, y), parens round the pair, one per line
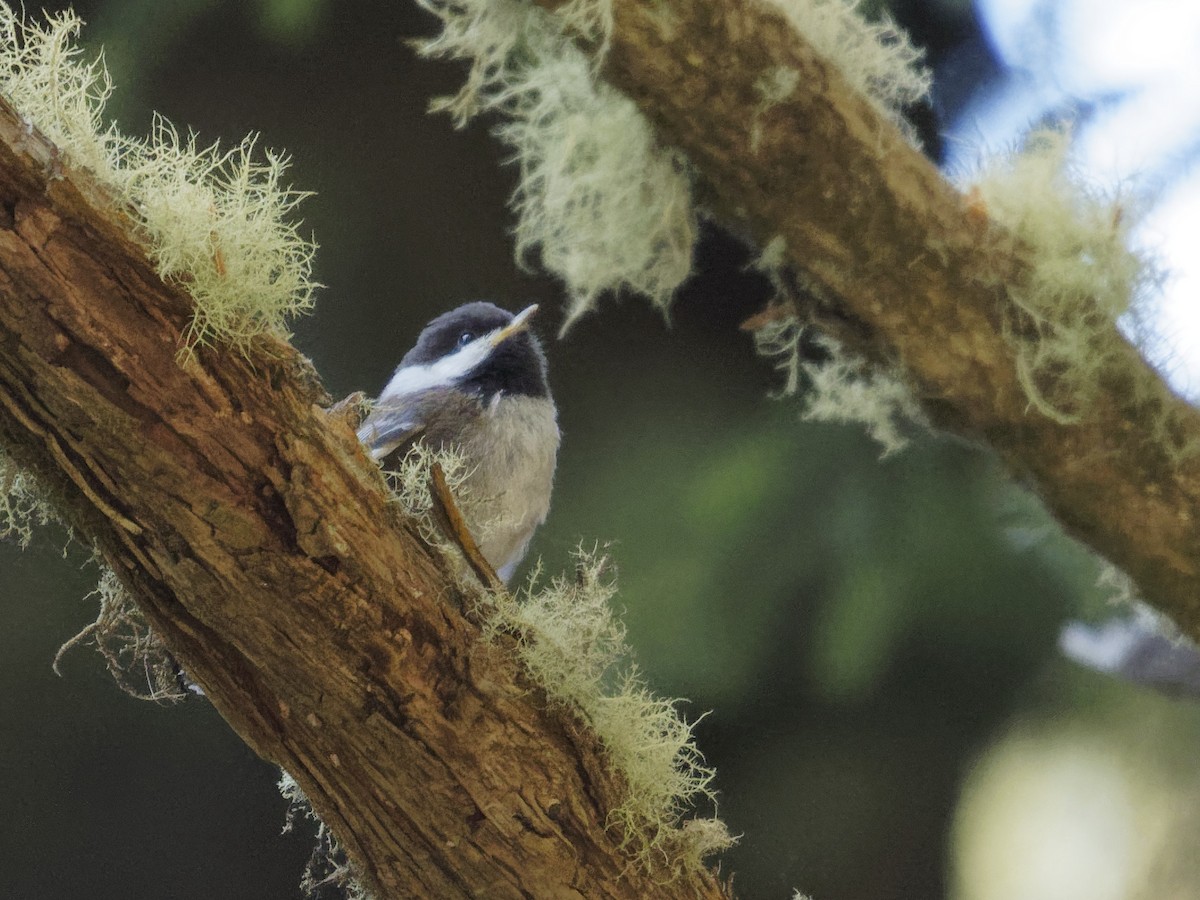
(905, 269)
(261, 545)
(259, 541)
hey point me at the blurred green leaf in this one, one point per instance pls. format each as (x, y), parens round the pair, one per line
(290, 22)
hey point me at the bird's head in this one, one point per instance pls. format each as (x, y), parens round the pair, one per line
(477, 348)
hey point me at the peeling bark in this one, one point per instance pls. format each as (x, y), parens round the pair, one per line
(260, 543)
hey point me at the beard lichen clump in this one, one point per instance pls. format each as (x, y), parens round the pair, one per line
(1084, 277)
(604, 203)
(840, 387)
(409, 484)
(328, 867)
(136, 658)
(217, 223)
(574, 646)
(876, 58)
(836, 384)
(23, 504)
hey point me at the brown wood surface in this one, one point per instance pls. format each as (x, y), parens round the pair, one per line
(260, 543)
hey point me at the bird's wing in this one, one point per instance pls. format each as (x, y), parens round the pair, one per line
(390, 425)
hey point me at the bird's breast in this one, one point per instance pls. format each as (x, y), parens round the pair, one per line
(511, 449)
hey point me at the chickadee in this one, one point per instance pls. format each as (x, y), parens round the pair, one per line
(476, 381)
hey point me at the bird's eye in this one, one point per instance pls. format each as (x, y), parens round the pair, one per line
(465, 338)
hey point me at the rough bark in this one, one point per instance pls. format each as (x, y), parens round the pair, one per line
(258, 540)
(260, 543)
(908, 270)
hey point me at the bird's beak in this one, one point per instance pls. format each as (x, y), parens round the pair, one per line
(519, 323)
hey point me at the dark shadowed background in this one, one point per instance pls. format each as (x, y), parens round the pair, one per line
(874, 641)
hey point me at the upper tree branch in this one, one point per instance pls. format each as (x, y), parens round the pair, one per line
(260, 543)
(907, 271)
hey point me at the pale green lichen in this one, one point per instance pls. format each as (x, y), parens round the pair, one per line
(845, 388)
(219, 223)
(136, 658)
(836, 384)
(1119, 590)
(216, 222)
(575, 647)
(410, 486)
(328, 866)
(1084, 276)
(877, 58)
(410, 482)
(23, 504)
(605, 204)
(773, 87)
(840, 386)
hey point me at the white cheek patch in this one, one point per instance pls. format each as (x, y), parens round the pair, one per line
(441, 373)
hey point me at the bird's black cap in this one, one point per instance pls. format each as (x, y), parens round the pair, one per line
(516, 366)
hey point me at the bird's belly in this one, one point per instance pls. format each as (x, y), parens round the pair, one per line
(506, 494)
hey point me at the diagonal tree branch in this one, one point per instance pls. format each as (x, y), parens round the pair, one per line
(260, 543)
(907, 270)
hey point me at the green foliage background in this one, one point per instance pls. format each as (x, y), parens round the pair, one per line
(860, 630)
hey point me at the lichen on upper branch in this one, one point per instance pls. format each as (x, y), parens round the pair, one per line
(876, 58)
(607, 205)
(600, 199)
(836, 384)
(1084, 277)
